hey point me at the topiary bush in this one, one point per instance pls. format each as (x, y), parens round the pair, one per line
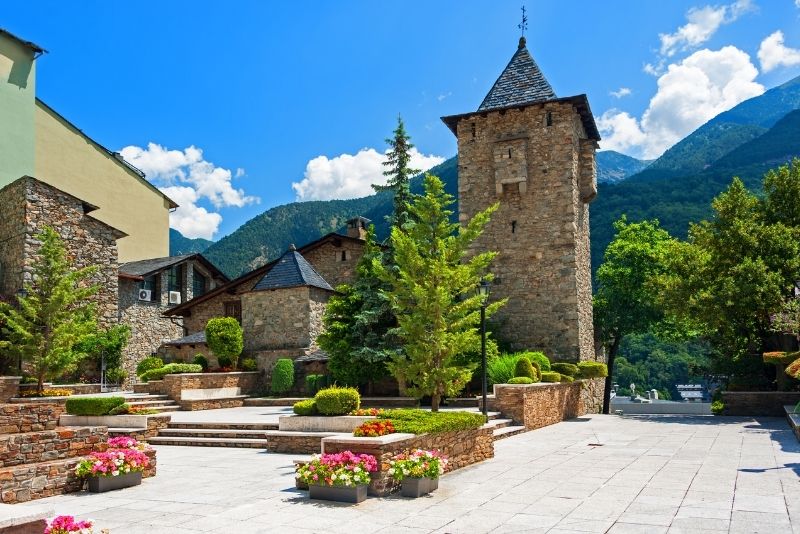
(151, 362)
(521, 380)
(305, 407)
(224, 338)
(337, 401)
(524, 368)
(565, 368)
(536, 356)
(201, 360)
(171, 369)
(592, 369)
(315, 382)
(93, 405)
(249, 365)
(567, 378)
(282, 376)
(551, 376)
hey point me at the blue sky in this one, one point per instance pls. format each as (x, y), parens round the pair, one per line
(272, 94)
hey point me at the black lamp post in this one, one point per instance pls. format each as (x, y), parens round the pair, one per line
(483, 291)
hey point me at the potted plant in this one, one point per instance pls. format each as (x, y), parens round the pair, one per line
(66, 524)
(342, 477)
(118, 467)
(417, 471)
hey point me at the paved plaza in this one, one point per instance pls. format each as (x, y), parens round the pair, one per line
(642, 474)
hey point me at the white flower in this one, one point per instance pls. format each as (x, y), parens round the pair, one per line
(114, 473)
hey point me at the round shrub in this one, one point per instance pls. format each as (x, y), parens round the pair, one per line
(521, 380)
(305, 407)
(536, 356)
(551, 376)
(249, 364)
(337, 401)
(567, 378)
(225, 362)
(565, 368)
(201, 360)
(116, 375)
(122, 409)
(524, 368)
(224, 338)
(592, 369)
(151, 362)
(282, 376)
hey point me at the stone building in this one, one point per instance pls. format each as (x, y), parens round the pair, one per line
(533, 153)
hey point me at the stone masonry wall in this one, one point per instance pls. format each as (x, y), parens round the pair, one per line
(276, 319)
(215, 307)
(543, 404)
(172, 385)
(541, 229)
(9, 387)
(327, 260)
(32, 417)
(758, 403)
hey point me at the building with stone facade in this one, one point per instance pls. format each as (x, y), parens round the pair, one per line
(533, 153)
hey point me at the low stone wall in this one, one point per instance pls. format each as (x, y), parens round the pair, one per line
(48, 445)
(321, 423)
(141, 427)
(33, 417)
(758, 403)
(542, 404)
(9, 387)
(76, 389)
(211, 404)
(462, 448)
(296, 442)
(247, 382)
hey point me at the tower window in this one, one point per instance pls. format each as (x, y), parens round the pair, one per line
(344, 255)
(513, 227)
(474, 131)
(509, 153)
(549, 118)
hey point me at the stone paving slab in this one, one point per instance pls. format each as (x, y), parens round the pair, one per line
(649, 474)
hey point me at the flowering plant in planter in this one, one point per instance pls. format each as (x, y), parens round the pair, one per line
(66, 524)
(340, 469)
(112, 463)
(417, 464)
(373, 429)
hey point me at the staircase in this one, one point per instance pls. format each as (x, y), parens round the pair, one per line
(243, 435)
(503, 428)
(160, 403)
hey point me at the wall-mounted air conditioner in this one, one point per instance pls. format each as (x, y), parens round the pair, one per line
(174, 297)
(145, 294)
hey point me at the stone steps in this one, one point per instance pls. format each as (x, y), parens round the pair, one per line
(225, 426)
(146, 401)
(507, 431)
(211, 433)
(210, 442)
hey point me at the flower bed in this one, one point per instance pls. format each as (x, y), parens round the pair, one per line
(66, 524)
(328, 474)
(374, 429)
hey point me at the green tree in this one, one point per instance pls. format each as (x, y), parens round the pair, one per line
(224, 338)
(399, 174)
(432, 292)
(625, 302)
(48, 325)
(106, 344)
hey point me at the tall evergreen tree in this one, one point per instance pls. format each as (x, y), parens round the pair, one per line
(399, 174)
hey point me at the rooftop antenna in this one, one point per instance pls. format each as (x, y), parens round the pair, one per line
(523, 26)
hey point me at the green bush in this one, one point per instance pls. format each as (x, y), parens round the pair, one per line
(224, 338)
(565, 368)
(92, 405)
(337, 401)
(524, 368)
(567, 378)
(315, 382)
(551, 376)
(225, 362)
(305, 407)
(249, 364)
(282, 376)
(116, 375)
(717, 407)
(151, 362)
(501, 369)
(521, 380)
(535, 356)
(201, 360)
(592, 369)
(122, 409)
(171, 369)
(414, 421)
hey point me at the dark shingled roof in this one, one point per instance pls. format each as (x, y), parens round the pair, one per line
(520, 83)
(143, 267)
(292, 270)
(192, 339)
(316, 356)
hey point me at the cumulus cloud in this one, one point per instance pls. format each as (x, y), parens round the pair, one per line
(351, 175)
(772, 53)
(187, 178)
(622, 91)
(689, 93)
(702, 24)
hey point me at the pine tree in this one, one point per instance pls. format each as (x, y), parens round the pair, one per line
(399, 174)
(55, 316)
(432, 292)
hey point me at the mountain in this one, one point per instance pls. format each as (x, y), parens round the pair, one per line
(178, 244)
(614, 167)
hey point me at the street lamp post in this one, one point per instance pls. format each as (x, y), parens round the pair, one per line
(483, 291)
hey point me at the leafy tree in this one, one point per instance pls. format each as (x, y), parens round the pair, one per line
(108, 344)
(56, 316)
(432, 292)
(224, 338)
(399, 174)
(625, 302)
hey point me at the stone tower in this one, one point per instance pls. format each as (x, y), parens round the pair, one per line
(533, 152)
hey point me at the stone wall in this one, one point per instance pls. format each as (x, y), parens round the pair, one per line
(33, 417)
(539, 405)
(76, 389)
(215, 307)
(758, 403)
(47, 445)
(173, 385)
(543, 178)
(9, 387)
(327, 260)
(282, 318)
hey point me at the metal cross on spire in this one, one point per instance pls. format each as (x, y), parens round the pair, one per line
(524, 24)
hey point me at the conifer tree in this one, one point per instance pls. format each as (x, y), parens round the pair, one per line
(55, 316)
(399, 173)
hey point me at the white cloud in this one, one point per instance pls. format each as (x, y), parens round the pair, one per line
(773, 53)
(689, 93)
(351, 176)
(621, 92)
(187, 178)
(442, 96)
(702, 23)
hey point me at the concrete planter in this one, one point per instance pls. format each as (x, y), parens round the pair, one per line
(103, 484)
(417, 487)
(320, 423)
(352, 494)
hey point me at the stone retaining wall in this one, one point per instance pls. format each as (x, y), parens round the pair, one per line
(48, 445)
(9, 387)
(16, 418)
(538, 405)
(295, 442)
(755, 403)
(77, 389)
(172, 385)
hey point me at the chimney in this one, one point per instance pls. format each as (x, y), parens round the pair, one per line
(357, 227)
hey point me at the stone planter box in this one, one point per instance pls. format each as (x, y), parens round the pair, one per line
(103, 484)
(542, 404)
(321, 423)
(352, 494)
(417, 487)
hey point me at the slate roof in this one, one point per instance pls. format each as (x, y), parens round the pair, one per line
(192, 339)
(292, 270)
(143, 267)
(316, 356)
(520, 83)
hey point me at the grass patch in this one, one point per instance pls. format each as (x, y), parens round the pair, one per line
(414, 421)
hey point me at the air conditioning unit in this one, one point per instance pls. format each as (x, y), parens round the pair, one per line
(145, 294)
(174, 297)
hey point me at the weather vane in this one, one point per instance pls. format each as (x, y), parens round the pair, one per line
(524, 24)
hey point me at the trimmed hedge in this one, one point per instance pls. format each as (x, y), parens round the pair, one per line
(305, 407)
(536, 356)
(171, 369)
(551, 376)
(201, 360)
(521, 380)
(337, 401)
(567, 378)
(565, 368)
(148, 364)
(122, 409)
(592, 369)
(93, 405)
(282, 376)
(415, 421)
(525, 369)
